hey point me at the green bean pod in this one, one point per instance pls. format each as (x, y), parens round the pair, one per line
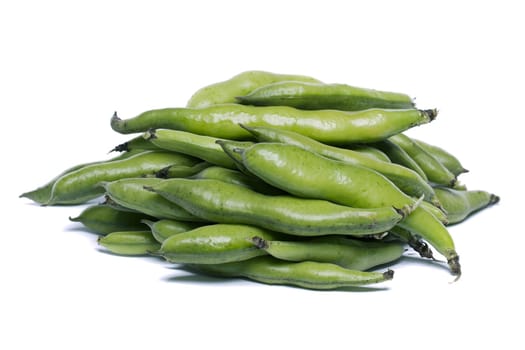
(203, 147)
(165, 228)
(42, 194)
(104, 219)
(416, 243)
(407, 180)
(237, 178)
(306, 274)
(222, 202)
(130, 242)
(397, 155)
(460, 204)
(348, 253)
(306, 174)
(307, 95)
(435, 171)
(446, 158)
(370, 151)
(215, 244)
(241, 84)
(130, 193)
(327, 126)
(81, 185)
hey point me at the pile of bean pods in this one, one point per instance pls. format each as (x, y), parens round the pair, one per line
(281, 179)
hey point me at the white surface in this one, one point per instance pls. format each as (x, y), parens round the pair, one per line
(66, 67)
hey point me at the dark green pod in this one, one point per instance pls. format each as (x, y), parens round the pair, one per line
(306, 274)
(307, 95)
(349, 253)
(103, 219)
(446, 158)
(460, 204)
(397, 155)
(130, 242)
(435, 171)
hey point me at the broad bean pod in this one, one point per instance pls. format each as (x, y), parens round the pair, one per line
(306, 174)
(307, 95)
(327, 126)
(306, 274)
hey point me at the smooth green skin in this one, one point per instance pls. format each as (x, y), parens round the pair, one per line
(397, 155)
(237, 178)
(437, 212)
(460, 204)
(203, 147)
(306, 95)
(181, 170)
(165, 228)
(130, 193)
(371, 152)
(446, 158)
(241, 84)
(405, 179)
(42, 194)
(130, 242)
(104, 219)
(81, 185)
(348, 253)
(305, 274)
(435, 171)
(327, 126)
(222, 202)
(215, 244)
(306, 174)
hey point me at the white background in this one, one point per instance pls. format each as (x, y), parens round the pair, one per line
(66, 66)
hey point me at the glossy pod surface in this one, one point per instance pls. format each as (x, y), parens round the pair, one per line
(82, 185)
(348, 253)
(328, 126)
(203, 147)
(222, 202)
(306, 95)
(397, 155)
(446, 158)
(306, 174)
(129, 242)
(306, 274)
(215, 244)
(241, 84)
(42, 194)
(434, 170)
(407, 180)
(130, 193)
(104, 219)
(460, 204)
